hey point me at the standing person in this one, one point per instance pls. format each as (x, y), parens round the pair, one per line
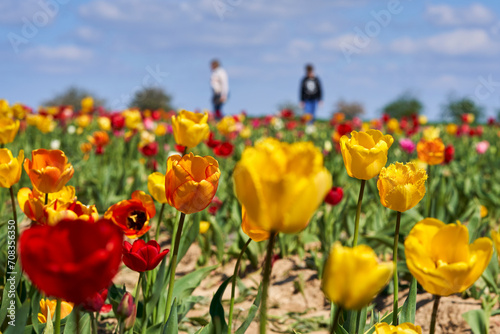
(220, 87)
(310, 92)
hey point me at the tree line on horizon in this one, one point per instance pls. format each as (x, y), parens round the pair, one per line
(406, 104)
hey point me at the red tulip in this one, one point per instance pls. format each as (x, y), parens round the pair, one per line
(149, 150)
(334, 196)
(212, 142)
(117, 121)
(224, 149)
(142, 256)
(96, 303)
(449, 153)
(72, 260)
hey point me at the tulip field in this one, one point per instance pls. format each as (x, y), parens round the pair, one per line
(165, 222)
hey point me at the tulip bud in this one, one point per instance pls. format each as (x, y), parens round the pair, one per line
(126, 306)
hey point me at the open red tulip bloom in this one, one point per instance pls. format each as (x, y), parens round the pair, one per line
(142, 256)
(72, 260)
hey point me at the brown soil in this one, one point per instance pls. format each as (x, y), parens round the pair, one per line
(296, 301)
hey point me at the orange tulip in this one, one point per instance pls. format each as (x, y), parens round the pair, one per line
(48, 170)
(133, 215)
(191, 182)
(431, 151)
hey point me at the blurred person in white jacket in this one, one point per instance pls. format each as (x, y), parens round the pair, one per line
(220, 87)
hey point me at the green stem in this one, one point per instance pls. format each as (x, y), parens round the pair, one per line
(428, 195)
(137, 288)
(233, 287)
(358, 320)
(159, 222)
(93, 323)
(395, 261)
(14, 211)
(336, 320)
(46, 198)
(57, 327)
(265, 282)
(77, 315)
(358, 213)
(434, 313)
(174, 265)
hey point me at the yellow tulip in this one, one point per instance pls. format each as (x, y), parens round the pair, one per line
(10, 167)
(87, 104)
(393, 125)
(496, 239)
(204, 226)
(431, 151)
(401, 186)
(191, 182)
(227, 125)
(4, 107)
(190, 128)
(83, 120)
(431, 133)
(281, 185)
(160, 130)
(405, 328)
(32, 202)
(156, 187)
(353, 276)
(251, 229)
(75, 210)
(440, 258)
(422, 119)
(8, 130)
(365, 153)
(133, 119)
(104, 123)
(45, 124)
(483, 211)
(47, 304)
(452, 129)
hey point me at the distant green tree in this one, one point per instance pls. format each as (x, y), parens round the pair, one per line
(349, 109)
(405, 105)
(151, 98)
(73, 96)
(456, 107)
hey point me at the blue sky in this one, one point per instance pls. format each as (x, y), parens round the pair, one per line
(365, 51)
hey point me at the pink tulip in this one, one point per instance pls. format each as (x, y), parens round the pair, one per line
(482, 147)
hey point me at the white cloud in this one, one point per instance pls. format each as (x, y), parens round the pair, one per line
(454, 43)
(297, 47)
(60, 53)
(88, 34)
(352, 43)
(446, 15)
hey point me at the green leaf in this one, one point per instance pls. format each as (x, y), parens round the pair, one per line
(84, 324)
(477, 321)
(159, 287)
(5, 297)
(251, 313)
(21, 318)
(410, 304)
(185, 285)
(35, 309)
(171, 326)
(216, 308)
(189, 235)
